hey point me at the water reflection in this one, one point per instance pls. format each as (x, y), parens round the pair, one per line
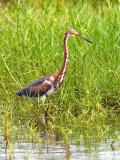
(22, 150)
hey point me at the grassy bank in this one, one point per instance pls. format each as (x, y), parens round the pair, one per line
(31, 46)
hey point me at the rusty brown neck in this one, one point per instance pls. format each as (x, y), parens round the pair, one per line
(61, 73)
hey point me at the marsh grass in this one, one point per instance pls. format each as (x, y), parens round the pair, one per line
(31, 46)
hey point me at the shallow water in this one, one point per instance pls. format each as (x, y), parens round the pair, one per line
(107, 149)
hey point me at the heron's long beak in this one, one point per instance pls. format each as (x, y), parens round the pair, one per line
(81, 37)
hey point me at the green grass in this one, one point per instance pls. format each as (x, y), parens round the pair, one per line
(31, 46)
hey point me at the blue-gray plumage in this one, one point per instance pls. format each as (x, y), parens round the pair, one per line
(36, 88)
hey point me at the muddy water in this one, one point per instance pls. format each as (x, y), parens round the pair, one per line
(106, 149)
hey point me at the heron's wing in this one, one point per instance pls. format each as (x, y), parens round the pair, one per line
(37, 82)
(39, 90)
(36, 88)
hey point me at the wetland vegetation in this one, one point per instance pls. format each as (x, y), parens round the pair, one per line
(31, 46)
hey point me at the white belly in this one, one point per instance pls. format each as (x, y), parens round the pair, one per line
(51, 91)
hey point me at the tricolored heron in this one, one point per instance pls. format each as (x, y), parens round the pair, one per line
(48, 85)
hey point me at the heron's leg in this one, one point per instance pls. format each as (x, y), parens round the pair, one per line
(43, 98)
(46, 116)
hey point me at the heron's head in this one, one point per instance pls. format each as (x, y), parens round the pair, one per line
(74, 33)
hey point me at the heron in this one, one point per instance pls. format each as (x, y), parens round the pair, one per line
(46, 86)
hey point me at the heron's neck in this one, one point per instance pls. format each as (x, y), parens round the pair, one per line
(62, 71)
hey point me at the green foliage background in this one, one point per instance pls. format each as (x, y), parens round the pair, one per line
(31, 46)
